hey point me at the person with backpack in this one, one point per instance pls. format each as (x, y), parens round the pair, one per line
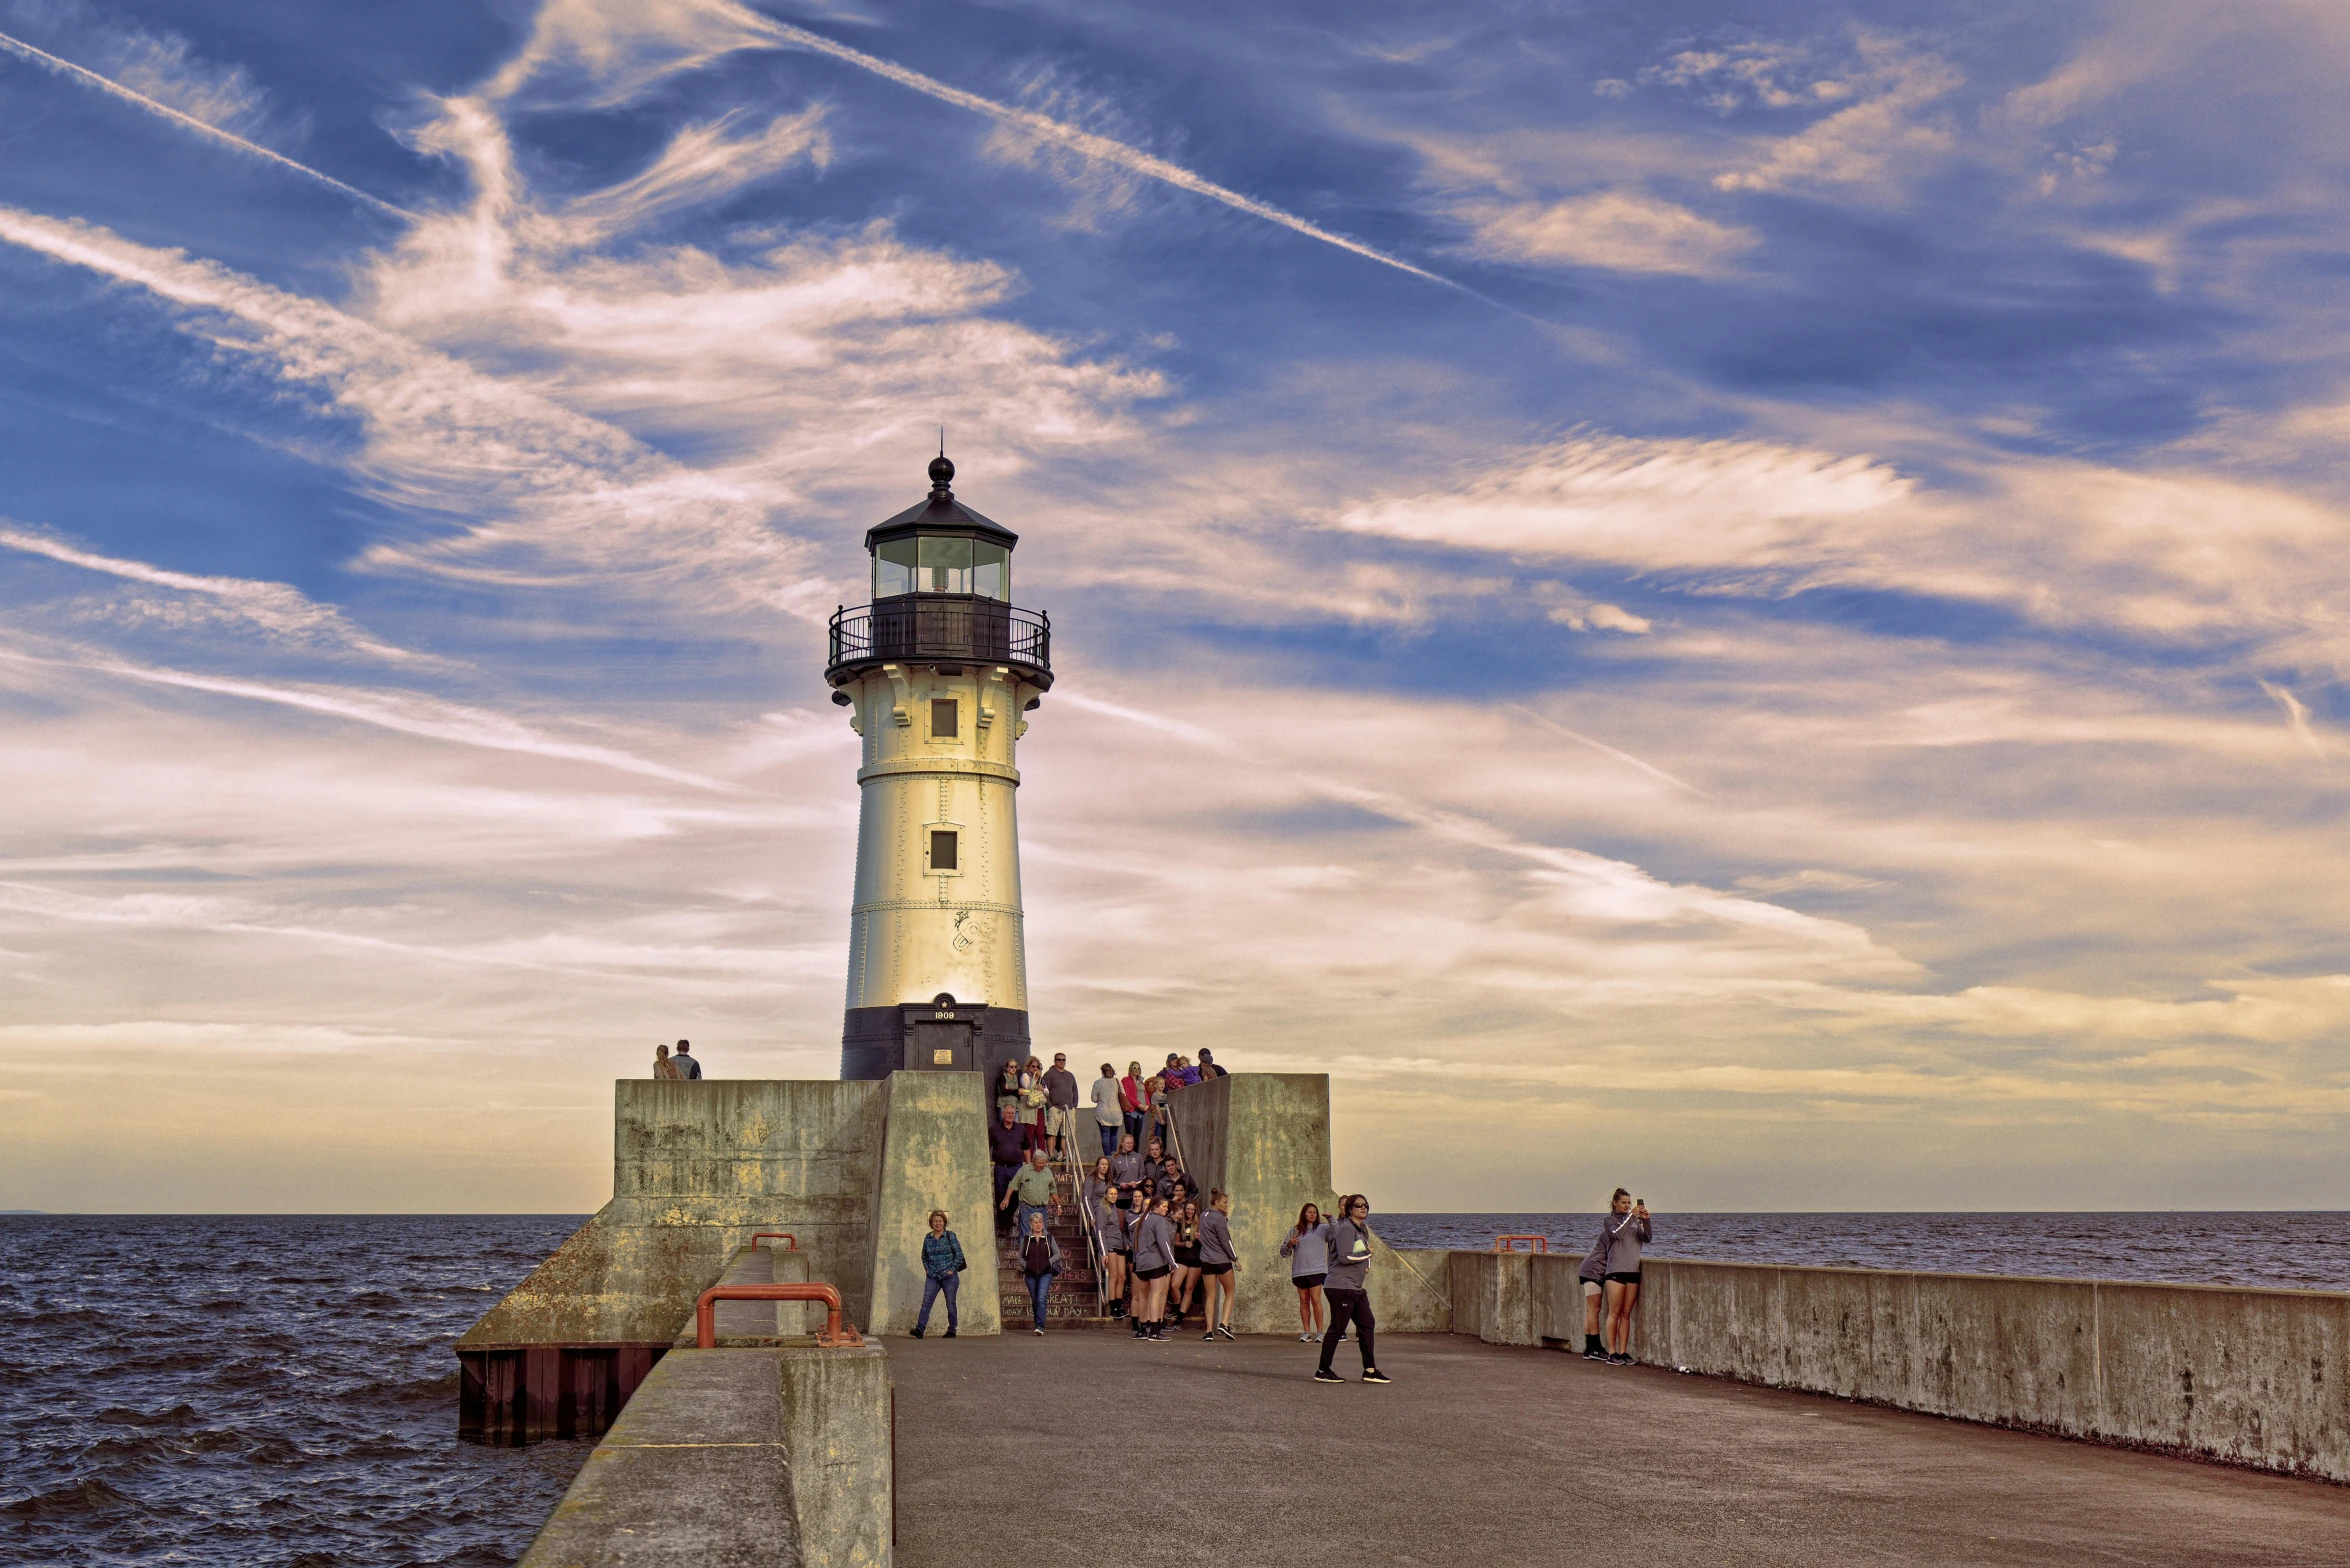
(942, 1270)
(1348, 1288)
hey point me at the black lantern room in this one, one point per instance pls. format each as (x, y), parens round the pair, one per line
(942, 593)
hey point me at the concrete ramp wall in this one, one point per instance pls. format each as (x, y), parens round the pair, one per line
(2255, 1377)
(697, 1169)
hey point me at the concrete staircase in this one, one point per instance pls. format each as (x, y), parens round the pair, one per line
(1076, 1299)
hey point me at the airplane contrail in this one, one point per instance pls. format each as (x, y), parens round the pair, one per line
(107, 84)
(1605, 749)
(1106, 151)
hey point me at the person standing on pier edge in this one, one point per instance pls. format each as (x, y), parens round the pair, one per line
(1007, 1150)
(665, 1070)
(1593, 1274)
(1031, 1103)
(942, 1269)
(1207, 1066)
(1109, 1116)
(1308, 1251)
(1625, 1230)
(1060, 1099)
(1040, 1260)
(1217, 1260)
(684, 1061)
(1131, 1102)
(1154, 1260)
(1348, 1288)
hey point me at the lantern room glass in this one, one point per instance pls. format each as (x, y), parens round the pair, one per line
(991, 571)
(893, 568)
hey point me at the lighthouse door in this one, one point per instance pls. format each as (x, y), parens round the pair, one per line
(941, 1046)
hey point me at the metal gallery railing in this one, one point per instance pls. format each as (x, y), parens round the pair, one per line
(933, 627)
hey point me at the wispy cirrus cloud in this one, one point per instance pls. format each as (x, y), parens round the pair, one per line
(278, 609)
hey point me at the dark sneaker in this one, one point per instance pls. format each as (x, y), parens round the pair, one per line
(1225, 1330)
(949, 1334)
(1325, 1375)
(917, 1333)
(1595, 1354)
(1622, 1359)
(1211, 1336)
(1374, 1375)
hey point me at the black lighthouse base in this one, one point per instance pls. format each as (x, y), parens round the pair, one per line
(942, 1036)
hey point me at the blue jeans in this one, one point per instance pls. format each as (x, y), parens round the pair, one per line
(1110, 1138)
(932, 1284)
(1020, 1222)
(1039, 1287)
(1133, 1128)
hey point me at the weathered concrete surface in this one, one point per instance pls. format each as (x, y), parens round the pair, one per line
(697, 1169)
(695, 1471)
(2258, 1377)
(935, 1157)
(836, 1425)
(733, 1457)
(748, 1323)
(1265, 1139)
(1495, 1296)
(1499, 1457)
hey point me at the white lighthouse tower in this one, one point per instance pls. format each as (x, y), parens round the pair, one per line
(937, 673)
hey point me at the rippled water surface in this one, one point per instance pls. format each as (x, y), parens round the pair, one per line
(258, 1392)
(2309, 1251)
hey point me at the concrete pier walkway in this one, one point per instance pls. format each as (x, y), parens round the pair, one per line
(1087, 1448)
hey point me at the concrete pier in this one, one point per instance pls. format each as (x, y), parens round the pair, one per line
(1497, 1457)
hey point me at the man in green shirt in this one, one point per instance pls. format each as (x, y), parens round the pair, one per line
(1033, 1186)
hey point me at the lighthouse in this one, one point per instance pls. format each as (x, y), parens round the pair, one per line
(938, 673)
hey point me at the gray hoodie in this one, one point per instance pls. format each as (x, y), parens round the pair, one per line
(1215, 1238)
(1623, 1234)
(1154, 1242)
(1350, 1255)
(1309, 1253)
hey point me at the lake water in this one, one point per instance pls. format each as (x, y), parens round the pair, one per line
(256, 1392)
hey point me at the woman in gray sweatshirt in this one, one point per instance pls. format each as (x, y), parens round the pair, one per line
(1308, 1252)
(1348, 1288)
(1217, 1260)
(1154, 1259)
(1623, 1232)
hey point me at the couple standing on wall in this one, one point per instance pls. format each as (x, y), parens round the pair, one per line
(681, 1067)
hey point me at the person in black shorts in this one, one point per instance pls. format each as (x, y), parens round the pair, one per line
(1186, 1280)
(1217, 1260)
(1625, 1231)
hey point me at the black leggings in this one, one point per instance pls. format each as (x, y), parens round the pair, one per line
(1348, 1306)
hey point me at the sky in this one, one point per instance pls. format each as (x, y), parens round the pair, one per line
(1748, 601)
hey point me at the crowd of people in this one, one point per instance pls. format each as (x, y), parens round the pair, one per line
(1044, 1102)
(1166, 1245)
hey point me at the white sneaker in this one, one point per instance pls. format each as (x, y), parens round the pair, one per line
(1305, 1339)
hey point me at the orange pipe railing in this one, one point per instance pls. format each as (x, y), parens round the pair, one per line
(784, 1235)
(1506, 1243)
(836, 1334)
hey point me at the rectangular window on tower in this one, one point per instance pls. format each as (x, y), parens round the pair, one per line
(946, 715)
(942, 849)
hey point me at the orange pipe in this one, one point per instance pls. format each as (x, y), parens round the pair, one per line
(835, 1334)
(1502, 1243)
(783, 1234)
